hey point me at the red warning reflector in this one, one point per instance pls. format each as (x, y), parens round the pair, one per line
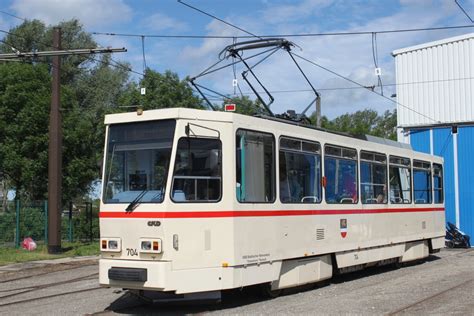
(229, 107)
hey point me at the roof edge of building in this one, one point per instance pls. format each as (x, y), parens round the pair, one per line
(432, 44)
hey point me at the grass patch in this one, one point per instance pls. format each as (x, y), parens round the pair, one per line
(14, 255)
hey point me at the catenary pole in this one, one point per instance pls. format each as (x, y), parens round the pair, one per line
(55, 153)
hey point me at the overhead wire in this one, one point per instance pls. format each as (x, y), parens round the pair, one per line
(356, 83)
(376, 59)
(331, 71)
(216, 18)
(12, 15)
(440, 28)
(464, 11)
(143, 54)
(115, 64)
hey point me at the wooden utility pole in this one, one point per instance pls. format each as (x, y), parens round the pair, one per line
(55, 153)
(55, 131)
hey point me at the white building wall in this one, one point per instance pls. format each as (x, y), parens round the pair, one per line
(436, 82)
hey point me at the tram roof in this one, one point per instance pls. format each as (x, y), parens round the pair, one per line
(206, 115)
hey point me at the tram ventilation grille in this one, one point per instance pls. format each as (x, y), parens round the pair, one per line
(319, 233)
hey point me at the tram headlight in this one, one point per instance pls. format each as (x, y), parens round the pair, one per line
(146, 245)
(110, 244)
(113, 245)
(150, 245)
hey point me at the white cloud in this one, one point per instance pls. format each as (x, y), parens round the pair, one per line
(285, 13)
(92, 13)
(160, 22)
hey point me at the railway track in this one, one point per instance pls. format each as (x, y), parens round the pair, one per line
(49, 296)
(28, 289)
(54, 268)
(44, 286)
(429, 298)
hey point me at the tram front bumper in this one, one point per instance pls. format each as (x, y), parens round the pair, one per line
(134, 274)
(160, 276)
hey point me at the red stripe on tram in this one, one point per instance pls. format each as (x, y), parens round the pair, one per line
(263, 213)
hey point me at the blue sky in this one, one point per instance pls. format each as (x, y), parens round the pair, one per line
(350, 56)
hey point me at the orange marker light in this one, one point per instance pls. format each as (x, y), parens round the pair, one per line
(104, 244)
(155, 246)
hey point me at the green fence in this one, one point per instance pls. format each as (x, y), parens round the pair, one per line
(30, 219)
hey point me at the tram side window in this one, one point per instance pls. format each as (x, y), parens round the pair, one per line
(438, 183)
(300, 171)
(400, 180)
(340, 170)
(198, 170)
(422, 182)
(255, 168)
(373, 175)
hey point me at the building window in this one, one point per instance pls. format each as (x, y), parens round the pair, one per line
(422, 182)
(255, 168)
(340, 170)
(373, 178)
(438, 183)
(197, 170)
(300, 171)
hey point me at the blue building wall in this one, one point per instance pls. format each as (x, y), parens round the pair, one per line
(443, 146)
(466, 176)
(420, 140)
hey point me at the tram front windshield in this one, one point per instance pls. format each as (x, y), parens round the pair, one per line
(137, 161)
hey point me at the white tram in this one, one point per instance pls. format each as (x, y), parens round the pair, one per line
(200, 201)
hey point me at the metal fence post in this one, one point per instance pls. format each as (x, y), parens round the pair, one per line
(70, 221)
(90, 221)
(45, 206)
(17, 232)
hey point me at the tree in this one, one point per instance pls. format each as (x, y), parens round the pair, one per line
(363, 122)
(34, 35)
(24, 104)
(90, 88)
(162, 91)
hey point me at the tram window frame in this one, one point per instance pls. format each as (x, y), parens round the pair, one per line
(441, 188)
(423, 166)
(405, 163)
(130, 137)
(342, 155)
(298, 146)
(220, 160)
(273, 169)
(373, 159)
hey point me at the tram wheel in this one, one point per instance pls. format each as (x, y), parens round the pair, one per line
(267, 292)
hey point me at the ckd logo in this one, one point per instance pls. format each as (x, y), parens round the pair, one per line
(154, 223)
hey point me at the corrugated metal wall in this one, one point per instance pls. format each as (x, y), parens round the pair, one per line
(436, 81)
(420, 140)
(466, 177)
(435, 85)
(443, 145)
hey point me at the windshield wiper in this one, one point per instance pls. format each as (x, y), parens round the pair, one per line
(133, 205)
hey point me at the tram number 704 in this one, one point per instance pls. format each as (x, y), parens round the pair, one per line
(132, 252)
